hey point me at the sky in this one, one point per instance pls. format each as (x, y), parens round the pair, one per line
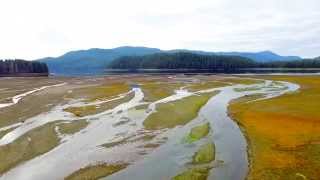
(32, 29)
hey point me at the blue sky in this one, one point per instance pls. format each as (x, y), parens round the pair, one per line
(38, 28)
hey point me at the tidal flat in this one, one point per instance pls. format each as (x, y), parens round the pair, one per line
(159, 127)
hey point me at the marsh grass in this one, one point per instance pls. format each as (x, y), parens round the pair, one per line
(101, 92)
(13, 86)
(242, 80)
(126, 140)
(180, 112)
(30, 106)
(247, 89)
(154, 91)
(203, 85)
(82, 111)
(30, 145)
(116, 143)
(198, 132)
(96, 171)
(3, 133)
(283, 131)
(193, 174)
(72, 127)
(205, 154)
(142, 107)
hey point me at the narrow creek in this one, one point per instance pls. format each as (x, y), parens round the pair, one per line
(83, 148)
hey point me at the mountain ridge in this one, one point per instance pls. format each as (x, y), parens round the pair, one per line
(95, 60)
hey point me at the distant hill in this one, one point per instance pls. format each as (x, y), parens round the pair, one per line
(94, 61)
(264, 56)
(91, 60)
(22, 68)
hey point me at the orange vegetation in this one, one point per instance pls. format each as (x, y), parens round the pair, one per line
(283, 132)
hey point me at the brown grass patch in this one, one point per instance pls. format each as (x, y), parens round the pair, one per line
(280, 131)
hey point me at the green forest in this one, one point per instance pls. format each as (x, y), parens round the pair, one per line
(186, 60)
(12, 67)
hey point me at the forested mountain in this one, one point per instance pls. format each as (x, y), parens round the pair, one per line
(264, 56)
(306, 63)
(181, 60)
(92, 60)
(96, 60)
(23, 68)
(188, 60)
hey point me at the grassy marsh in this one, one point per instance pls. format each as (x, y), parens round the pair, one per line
(30, 145)
(283, 132)
(3, 133)
(101, 91)
(72, 127)
(193, 174)
(10, 87)
(205, 154)
(146, 137)
(180, 112)
(82, 111)
(198, 132)
(205, 85)
(247, 89)
(29, 107)
(243, 80)
(154, 91)
(96, 171)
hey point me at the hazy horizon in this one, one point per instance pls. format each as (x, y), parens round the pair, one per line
(36, 29)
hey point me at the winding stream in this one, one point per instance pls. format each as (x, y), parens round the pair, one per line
(83, 148)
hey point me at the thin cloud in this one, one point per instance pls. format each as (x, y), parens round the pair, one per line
(38, 28)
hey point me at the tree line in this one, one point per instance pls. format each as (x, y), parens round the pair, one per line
(186, 60)
(12, 67)
(181, 60)
(305, 63)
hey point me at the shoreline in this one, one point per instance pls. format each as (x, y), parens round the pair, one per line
(25, 75)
